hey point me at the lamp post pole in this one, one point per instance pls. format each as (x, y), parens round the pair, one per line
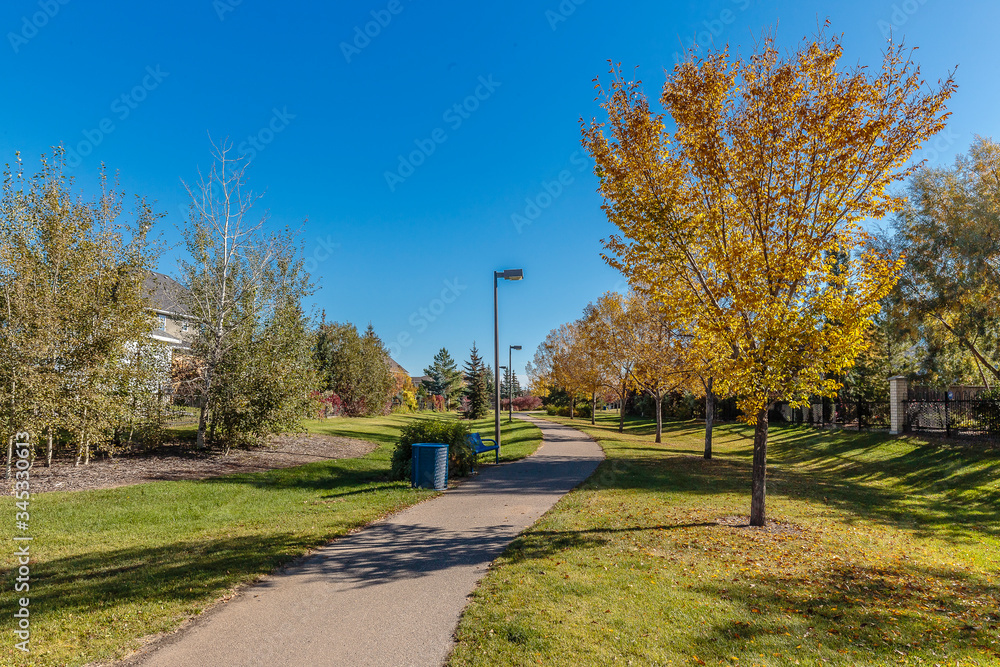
(496, 360)
(510, 383)
(508, 274)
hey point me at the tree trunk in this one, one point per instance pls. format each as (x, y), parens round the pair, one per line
(211, 430)
(759, 483)
(10, 455)
(572, 404)
(621, 409)
(593, 407)
(48, 451)
(622, 397)
(203, 414)
(709, 416)
(202, 423)
(659, 416)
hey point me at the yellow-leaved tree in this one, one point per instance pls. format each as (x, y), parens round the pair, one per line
(605, 329)
(740, 208)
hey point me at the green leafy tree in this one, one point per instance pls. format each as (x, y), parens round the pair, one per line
(356, 368)
(475, 382)
(269, 380)
(243, 281)
(72, 309)
(949, 232)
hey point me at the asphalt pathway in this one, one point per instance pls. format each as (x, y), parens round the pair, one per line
(390, 594)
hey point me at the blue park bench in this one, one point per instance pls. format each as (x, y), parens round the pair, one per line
(477, 442)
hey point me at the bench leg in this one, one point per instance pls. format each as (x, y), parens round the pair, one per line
(498, 454)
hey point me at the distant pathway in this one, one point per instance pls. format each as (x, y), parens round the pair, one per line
(390, 594)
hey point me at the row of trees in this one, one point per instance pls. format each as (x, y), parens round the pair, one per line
(623, 344)
(75, 360)
(472, 388)
(741, 216)
(77, 364)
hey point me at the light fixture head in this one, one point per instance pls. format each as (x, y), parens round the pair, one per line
(515, 347)
(513, 274)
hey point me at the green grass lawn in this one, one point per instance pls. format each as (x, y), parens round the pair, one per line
(113, 566)
(886, 552)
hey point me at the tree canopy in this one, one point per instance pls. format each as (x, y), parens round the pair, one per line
(736, 216)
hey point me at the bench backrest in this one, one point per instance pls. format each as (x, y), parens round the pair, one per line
(475, 440)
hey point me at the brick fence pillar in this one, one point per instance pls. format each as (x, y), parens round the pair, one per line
(898, 394)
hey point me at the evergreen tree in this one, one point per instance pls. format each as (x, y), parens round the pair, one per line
(490, 380)
(446, 380)
(505, 386)
(475, 383)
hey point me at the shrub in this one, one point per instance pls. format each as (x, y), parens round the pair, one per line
(582, 410)
(527, 403)
(452, 433)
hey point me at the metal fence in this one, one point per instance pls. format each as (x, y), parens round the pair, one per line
(967, 417)
(860, 415)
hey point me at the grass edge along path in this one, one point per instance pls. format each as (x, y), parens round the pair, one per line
(882, 551)
(111, 568)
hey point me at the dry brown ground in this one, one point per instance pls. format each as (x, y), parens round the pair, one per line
(175, 461)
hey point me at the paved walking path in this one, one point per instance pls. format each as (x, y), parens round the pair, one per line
(390, 594)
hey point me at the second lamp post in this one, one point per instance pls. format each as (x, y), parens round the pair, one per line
(508, 274)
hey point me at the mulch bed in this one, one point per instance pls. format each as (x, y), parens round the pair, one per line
(176, 461)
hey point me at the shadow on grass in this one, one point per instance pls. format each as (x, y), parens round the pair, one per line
(881, 611)
(186, 571)
(927, 489)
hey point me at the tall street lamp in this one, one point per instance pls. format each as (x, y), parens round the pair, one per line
(510, 385)
(508, 274)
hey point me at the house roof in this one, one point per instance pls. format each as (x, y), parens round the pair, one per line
(166, 294)
(396, 368)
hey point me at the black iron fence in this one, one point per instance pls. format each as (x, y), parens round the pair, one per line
(959, 412)
(861, 415)
(966, 417)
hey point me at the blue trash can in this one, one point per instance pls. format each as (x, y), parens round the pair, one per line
(430, 466)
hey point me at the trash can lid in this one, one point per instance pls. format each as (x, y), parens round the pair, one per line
(429, 444)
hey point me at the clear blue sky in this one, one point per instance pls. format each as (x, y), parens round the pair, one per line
(331, 121)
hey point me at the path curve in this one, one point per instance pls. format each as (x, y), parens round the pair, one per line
(390, 594)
